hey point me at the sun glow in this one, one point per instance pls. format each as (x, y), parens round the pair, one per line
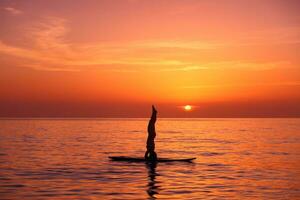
(187, 108)
(64, 64)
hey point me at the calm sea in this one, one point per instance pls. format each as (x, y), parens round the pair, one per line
(68, 159)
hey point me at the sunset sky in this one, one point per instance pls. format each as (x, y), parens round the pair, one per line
(114, 58)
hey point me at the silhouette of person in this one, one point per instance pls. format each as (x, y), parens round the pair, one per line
(150, 154)
(153, 188)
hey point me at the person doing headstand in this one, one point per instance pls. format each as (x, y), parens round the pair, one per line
(150, 152)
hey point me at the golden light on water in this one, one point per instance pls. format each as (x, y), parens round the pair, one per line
(187, 107)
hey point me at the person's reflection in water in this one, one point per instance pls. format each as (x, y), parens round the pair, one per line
(152, 189)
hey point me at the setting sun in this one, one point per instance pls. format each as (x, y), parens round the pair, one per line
(187, 108)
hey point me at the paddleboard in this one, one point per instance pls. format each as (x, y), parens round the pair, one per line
(139, 159)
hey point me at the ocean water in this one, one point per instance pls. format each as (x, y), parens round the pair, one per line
(68, 159)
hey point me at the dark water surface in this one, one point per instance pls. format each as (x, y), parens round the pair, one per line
(67, 159)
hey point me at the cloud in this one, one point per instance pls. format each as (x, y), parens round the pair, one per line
(184, 68)
(252, 65)
(13, 11)
(287, 83)
(50, 49)
(192, 45)
(269, 36)
(228, 65)
(42, 67)
(123, 70)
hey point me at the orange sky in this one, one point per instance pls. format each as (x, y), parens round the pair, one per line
(114, 58)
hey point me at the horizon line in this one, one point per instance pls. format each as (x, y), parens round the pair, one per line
(261, 117)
